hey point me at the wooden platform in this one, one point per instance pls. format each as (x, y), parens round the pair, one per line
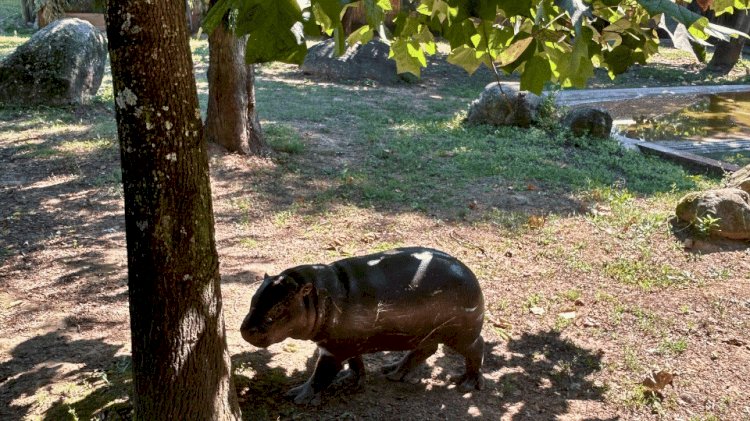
(708, 146)
(686, 158)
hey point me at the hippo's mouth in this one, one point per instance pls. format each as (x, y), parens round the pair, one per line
(256, 338)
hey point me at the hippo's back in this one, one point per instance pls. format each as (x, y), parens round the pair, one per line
(406, 294)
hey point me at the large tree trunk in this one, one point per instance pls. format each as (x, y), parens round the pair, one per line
(181, 366)
(727, 54)
(231, 119)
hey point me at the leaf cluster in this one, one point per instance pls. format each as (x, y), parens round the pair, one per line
(558, 41)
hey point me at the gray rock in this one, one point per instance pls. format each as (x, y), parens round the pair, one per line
(731, 207)
(740, 179)
(594, 122)
(61, 64)
(504, 105)
(368, 61)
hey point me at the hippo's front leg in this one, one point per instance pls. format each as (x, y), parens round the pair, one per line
(325, 371)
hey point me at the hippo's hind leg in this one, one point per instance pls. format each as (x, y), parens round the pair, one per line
(355, 375)
(325, 371)
(473, 352)
(398, 371)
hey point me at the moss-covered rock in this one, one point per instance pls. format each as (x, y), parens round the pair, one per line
(63, 63)
(740, 179)
(504, 105)
(729, 208)
(590, 121)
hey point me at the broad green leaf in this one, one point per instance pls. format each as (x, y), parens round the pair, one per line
(286, 47)
(515, 7)
(216, 13)
(361, 35)
(374, 12)
(722, 6)
(514, 51)
(467, 58)
(577, 67)
(619, 59)
(405, 62)
(485, 9)
(535, 73)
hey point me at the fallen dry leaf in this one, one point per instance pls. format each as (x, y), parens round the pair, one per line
(536, 221)
(589, 322)
(537, 310)
(568, 315)
(579, 303)
(657, 381)
(501, 323)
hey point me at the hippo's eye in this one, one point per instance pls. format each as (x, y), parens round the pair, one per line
(269, 320)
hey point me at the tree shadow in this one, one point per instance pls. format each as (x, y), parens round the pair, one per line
(534, 378)
(52, 366)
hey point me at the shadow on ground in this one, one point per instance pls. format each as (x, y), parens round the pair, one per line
(93, 377)
(533, 378)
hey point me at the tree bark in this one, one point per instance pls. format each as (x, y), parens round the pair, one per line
(727, 54)
(181, 366)
(28, 10)
(231, 118)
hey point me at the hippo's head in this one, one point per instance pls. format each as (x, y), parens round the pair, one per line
(278, 310)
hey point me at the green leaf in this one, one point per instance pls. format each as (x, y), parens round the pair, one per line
(574, 69)
(274, 30)
(515, 7)
(216, 13)
(286, 47)
(374, 11)
(467, 58)
(536, 72)
(362, 35)
(677, 12)
(514, 50)
(401, 52)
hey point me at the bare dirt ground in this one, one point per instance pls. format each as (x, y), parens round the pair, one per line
(570, 335)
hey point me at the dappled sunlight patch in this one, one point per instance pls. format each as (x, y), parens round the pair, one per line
(87, 145)
(36, 129)
(51, 181)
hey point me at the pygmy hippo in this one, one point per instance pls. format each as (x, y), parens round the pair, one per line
(403, 299)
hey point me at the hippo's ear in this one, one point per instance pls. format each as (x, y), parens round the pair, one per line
(306, 289)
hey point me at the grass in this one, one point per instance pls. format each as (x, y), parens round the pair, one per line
(645, 274)
(283, 138)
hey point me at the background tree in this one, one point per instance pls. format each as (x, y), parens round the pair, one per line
(181, 366)
(28, 10)
(231, 119)
(728, 53)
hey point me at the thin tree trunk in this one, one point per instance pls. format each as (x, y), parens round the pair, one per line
(181, 366)
(28, 10)
(232, 120)
(727, 54)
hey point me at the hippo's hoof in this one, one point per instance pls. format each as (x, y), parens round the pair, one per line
(350, 378)
(469, 382)
(394, 371)
(304, 395)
